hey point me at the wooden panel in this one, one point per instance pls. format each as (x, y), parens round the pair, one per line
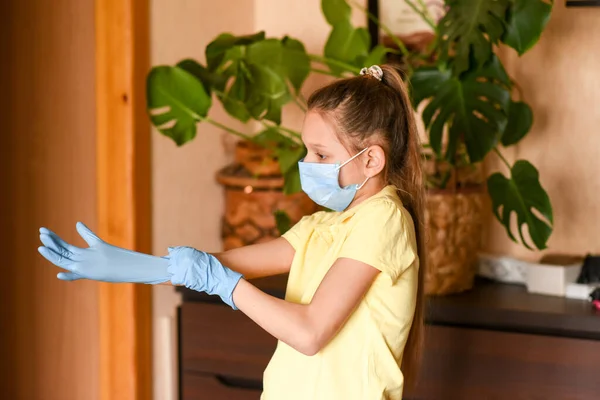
(207, 387)
(48, 328)
(216, 339)
(123, 192)
(475, 364)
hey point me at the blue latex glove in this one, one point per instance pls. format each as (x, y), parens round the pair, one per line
(202, 272)
(101, 261)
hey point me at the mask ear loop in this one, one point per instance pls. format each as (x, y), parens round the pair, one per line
(352, 158)
(363, 184)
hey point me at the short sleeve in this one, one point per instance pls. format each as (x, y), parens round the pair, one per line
(382, 235)
(299, 233)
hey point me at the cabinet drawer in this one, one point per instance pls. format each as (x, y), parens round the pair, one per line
(218, 340)
(477, 364)
(211, 387)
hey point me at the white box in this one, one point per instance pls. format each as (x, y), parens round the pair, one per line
(580, 291)
(551, 279)
(502, 268)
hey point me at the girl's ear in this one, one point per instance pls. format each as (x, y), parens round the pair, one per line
(374, 161)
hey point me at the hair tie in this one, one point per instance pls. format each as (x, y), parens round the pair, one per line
(374, 70)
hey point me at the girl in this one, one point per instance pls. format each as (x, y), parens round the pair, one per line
(352, 309)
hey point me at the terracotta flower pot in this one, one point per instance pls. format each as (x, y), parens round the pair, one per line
(257, 160)
(253, 192)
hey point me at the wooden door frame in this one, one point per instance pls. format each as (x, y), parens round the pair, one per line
(123, 192)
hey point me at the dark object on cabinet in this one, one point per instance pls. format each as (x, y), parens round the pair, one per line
(494, 342)
(583, 3)
(590, 270)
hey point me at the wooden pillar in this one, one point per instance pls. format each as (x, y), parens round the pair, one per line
(123, 165)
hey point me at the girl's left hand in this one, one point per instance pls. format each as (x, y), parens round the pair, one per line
(101, 261)
(202, 272)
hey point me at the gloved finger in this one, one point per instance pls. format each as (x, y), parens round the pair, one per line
(90, 237)
(55, 245)
(58, 240)
(68, 276)
(56, 258)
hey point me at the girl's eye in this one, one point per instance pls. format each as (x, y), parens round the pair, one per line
(321, 156)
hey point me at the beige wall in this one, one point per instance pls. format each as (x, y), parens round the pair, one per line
(560, 80)
(49, 328)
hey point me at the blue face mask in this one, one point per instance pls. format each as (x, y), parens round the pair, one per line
(321, 183)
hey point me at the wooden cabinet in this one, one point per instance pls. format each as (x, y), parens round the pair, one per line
(214, 387)
(223, 353)
(464, 363)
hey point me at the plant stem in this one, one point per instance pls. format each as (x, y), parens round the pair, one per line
(341, 64)
(298, 103)
(302, 98)
(283, 128)
(423, 13)
(502, 158)
(225, 128)
(324, 72)
(387, 30)
(519, 90)
(426, 12)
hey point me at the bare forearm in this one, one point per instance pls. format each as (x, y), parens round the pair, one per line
(309, 327)
(259, 260)
(251, 269)
(288, 322)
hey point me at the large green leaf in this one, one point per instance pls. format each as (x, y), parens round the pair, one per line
(526, 21)
(295, 61)
(288, 151)
(336, 11)
(257, 72)
(292, 182)
(521, 194)
(286, 57)
(474, 107)
(520, 119)
(376, 56)
(469, 29)
(282, 221)
(289, 157)
(267, 93)
(234, 99)
(210, 80)
(216, 50)
(347, 44)
(176, 101)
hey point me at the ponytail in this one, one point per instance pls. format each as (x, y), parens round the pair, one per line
(408, 178)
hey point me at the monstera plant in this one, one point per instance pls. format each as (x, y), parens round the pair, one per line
(469, 106)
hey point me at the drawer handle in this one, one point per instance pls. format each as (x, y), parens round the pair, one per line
(239, 383)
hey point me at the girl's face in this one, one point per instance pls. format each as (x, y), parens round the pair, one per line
(324, 147)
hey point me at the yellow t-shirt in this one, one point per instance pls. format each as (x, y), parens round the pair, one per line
(363, 360)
